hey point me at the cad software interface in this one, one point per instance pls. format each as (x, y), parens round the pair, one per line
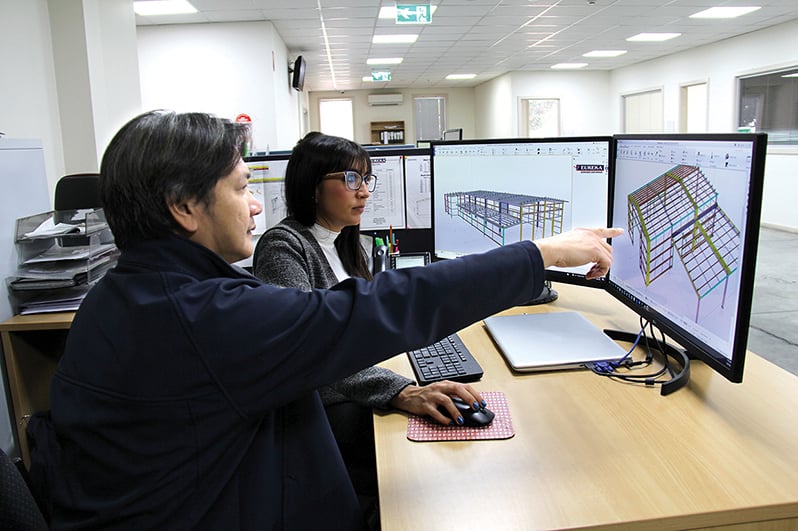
(683, 204)
(492, 193)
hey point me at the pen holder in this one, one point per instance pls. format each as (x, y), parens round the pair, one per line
(380, 258)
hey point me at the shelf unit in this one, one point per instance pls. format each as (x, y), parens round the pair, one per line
(392, 132)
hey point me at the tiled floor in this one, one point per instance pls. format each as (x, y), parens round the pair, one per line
(774, 313)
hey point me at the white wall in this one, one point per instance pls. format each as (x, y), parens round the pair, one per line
(496, 114)
(459, 110)
(113, 68)
(223, 69)
(94, 54)
(719, 65)
(29, 107)
(583, 102)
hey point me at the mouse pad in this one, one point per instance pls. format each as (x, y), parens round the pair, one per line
(422, 429)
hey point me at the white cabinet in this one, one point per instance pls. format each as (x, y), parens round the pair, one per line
(23, 191)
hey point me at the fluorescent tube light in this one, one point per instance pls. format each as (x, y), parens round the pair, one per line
(653, 37)
(384, 61)
(604, 53)
(394, 39)
(725, 12)
(568, 66)
(461, 76)
(148, 8)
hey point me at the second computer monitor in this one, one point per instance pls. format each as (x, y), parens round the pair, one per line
(690, 205)
(488, 193)
(452, 134)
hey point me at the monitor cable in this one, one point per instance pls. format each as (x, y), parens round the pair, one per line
(617, 370)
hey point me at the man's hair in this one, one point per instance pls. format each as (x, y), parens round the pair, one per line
(312, 158)
(159, 158)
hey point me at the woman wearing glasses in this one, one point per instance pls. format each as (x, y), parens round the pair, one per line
(327, 183)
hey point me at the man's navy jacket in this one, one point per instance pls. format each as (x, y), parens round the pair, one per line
(186, 394)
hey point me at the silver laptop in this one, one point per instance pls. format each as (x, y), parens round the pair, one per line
(551, 341)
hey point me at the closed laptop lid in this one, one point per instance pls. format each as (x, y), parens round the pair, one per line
(550, 341)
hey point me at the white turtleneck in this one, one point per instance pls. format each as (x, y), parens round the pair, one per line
(326, 239)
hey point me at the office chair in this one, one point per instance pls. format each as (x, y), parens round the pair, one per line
(76, 191)
(18, 508)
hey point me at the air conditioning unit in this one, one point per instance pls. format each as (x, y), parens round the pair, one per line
(385, 99)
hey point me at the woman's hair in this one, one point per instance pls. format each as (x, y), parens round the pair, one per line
(312, 158)
(159, 158)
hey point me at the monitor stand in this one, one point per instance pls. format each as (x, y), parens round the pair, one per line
(545, 296)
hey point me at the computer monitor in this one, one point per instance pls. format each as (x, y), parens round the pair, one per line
(487, 193)
(690, 205)
(385, 208)
(267, 184)
(452, 134)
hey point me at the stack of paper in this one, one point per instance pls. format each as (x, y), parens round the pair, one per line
(60, 261)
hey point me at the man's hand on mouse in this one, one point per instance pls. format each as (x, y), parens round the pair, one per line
(424, 401)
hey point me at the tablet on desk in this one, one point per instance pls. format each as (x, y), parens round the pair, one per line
(551, 341)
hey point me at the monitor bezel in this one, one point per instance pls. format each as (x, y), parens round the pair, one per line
(274, 155)
(565, 277)
(695, 349)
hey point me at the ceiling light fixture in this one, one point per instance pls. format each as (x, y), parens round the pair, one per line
(794, 74)
(150, 8)
(461, 76)
(604, 53)
(327, 46)
(725, 12)
(653, 37)
(384, 61)
(568, 66)
(394, 39)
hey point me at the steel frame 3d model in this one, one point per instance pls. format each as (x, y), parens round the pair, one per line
(679, 211)
(492, 213)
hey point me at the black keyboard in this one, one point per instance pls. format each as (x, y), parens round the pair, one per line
(447, 359)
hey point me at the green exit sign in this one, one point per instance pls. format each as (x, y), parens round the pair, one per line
(413, 14)
(381, 76)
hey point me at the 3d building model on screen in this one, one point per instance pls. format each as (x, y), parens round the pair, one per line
(678, 211)
(492, 213)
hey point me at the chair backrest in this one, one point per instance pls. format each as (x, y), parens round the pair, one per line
(18, 508)
(76, 191)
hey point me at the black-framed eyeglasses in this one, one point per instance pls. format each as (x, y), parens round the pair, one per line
(353, 180)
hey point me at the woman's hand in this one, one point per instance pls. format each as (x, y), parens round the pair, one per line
(424, 401)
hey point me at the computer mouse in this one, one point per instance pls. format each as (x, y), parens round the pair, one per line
(474, 418)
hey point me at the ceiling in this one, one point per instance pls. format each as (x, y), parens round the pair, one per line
(483, 37)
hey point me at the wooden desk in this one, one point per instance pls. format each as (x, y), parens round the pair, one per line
(589, 452)
(32, 346)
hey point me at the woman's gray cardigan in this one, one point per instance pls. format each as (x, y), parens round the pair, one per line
(289, 255)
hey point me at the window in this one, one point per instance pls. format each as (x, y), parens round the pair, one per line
(769, 103)
(335, 118)
(642, 112)
(694, 108)
(430, 117)
(540, 117)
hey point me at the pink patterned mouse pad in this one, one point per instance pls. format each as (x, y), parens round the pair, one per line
(422, 429)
